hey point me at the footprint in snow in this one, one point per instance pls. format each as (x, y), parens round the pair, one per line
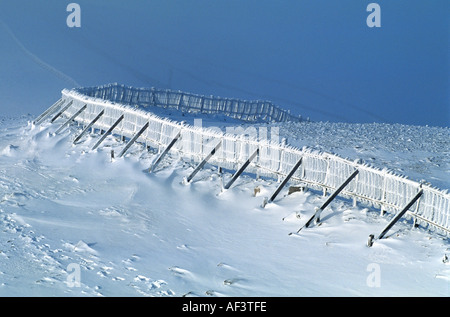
(132, 259)
(180, 272)
(226, 266)
(129, 262)
(157, 284)
(105, 271)
(212, 292)
(232, 281)
(141, 278)
(184, 247)
(294, 216)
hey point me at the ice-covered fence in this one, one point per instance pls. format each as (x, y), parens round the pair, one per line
(381, 188)
(147, 97)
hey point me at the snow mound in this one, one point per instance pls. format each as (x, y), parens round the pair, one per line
(9, 150)
(82, 247)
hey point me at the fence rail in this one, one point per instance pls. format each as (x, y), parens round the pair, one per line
(379, 187)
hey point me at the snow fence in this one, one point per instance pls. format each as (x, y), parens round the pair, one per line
(257, 110)
(377, 187)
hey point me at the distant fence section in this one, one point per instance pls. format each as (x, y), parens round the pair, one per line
(108, 108)
(256, 110)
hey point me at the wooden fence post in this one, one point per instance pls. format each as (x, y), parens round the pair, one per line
(316, 216)
(166, 150)
(103, 137)
(203, 162)
(241, 169)
(89, 126)
(71, 119)
(135, 137)
(395, 219)
(61, 111)
(284, 182)
(47, 112)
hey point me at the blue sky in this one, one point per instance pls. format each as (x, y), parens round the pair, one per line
(317, 58)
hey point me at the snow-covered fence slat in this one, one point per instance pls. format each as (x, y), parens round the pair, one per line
(382, 188)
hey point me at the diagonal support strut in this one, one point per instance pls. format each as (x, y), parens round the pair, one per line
(316, 216)
(89, 126)
(103, 137)
(243, 167)
(47, 112)
(76, 114)
(395, 219)
(166, 150)
(61, 111)
(284, 182)
(203, 162)
(135, 137)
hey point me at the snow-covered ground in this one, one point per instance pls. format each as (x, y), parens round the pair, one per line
(76, 223)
